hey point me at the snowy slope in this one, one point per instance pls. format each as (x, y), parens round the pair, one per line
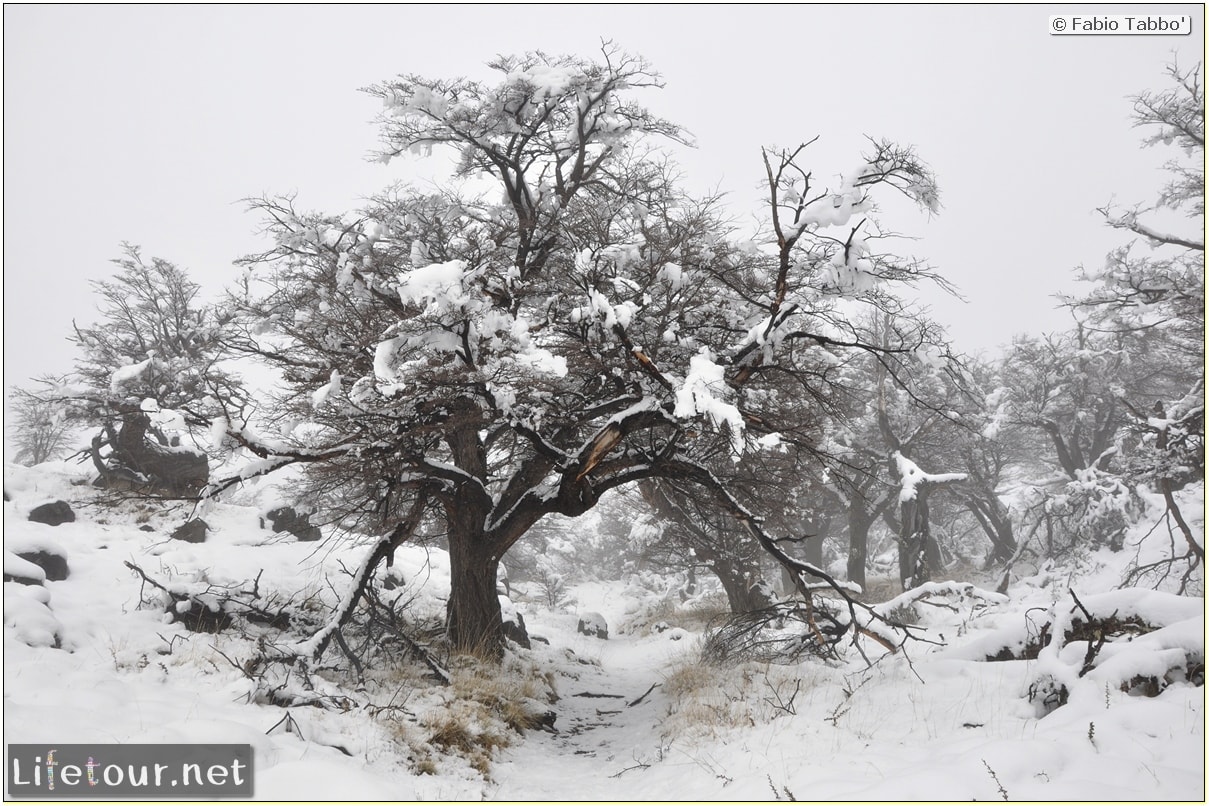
(942, 724)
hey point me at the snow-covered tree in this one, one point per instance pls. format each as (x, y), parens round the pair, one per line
(686, 529)
(1065, 386)
(988, 447)
(1152, 292)
(897, 398)
(1063, 394)
(145, 372)
(40, 430)
(1157, 281)
(488, 358)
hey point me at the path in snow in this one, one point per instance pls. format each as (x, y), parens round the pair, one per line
(603, 739)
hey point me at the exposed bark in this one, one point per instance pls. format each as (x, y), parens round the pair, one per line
(919, 557)
(142, 457)
(740, 586)
(475, 622)
(859, 522)
(1167, 487)
(996, 523)
(913, 542)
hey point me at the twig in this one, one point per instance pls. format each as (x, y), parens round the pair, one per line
(146, 578)
(1090, 619)
(781, 704)
(780, 794)
(643, 697)
(639, 766)
(348, 653)
(291, 726)
(1003, 792)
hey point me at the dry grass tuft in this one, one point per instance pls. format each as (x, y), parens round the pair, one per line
(704, 700)
(482, 710)
(451, 733)
(466, 730)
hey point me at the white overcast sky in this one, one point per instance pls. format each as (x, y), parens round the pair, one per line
(149, 124)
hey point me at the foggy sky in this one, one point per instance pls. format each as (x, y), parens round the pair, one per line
(149, 124)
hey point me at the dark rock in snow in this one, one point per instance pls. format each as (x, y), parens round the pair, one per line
(18, 569)
(146, 528)
(21, 580)
(288, 519)
(593, 624)
(191, 531)
(515, 631)
(200, 618)
(52, 514)
(55, 565)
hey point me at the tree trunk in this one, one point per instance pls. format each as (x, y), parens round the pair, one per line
(918, 554)
(175, 472)
(1168, 490)
(817, 530)
(474, 622)
(1005, 545)
(996, 523)
(859, 522)
(738, 583)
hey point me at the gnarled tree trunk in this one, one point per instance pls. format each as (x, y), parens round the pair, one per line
(140, 453)
(919, 556)
(475, 624)
(740, 584)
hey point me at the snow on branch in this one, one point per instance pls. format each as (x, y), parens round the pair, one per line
(962, 590)
(1129, 221)
(912, 477)
(123, 375)
(705, 379)
(1134, 640)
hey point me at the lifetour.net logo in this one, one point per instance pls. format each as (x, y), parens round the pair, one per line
(77, 771)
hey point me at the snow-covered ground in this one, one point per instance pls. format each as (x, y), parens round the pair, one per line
(85, 662)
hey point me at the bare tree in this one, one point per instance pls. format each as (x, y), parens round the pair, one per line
(40, 431)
